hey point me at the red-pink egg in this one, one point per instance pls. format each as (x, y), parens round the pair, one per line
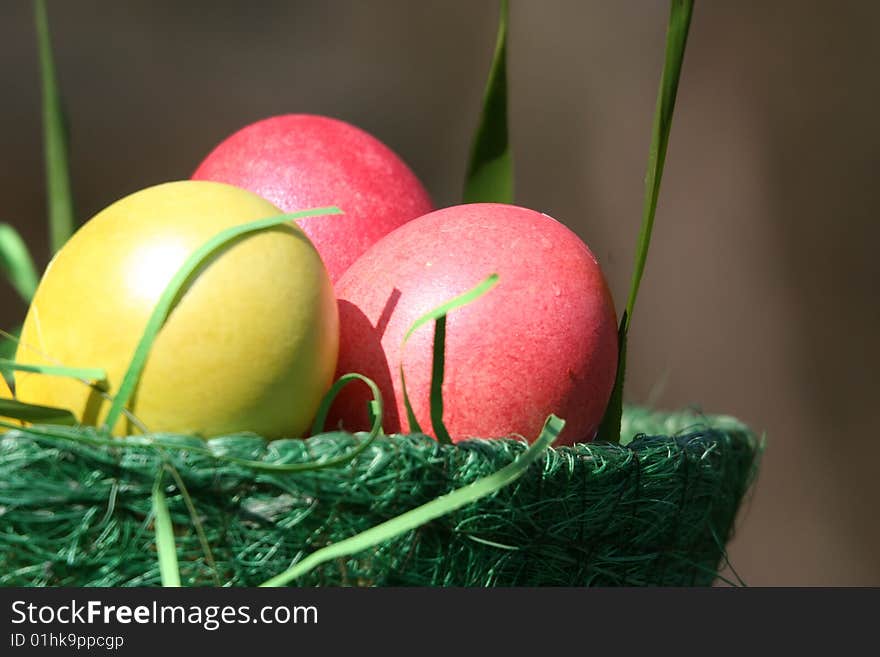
(543, 340)
(301, 161)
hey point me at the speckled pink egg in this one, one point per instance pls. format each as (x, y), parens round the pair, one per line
(300, 161)
(543, 340)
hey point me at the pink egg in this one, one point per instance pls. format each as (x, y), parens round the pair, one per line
(300, 161)
(543, 340)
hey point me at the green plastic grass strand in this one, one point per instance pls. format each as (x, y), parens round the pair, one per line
(16, 263)
(412, 420)
(676, 40)
(425, 513)
(165, 547)
(609, 428)
(172, 293)
(8, 347)
(12, 408)
(377, 409)
(490, 169)
(196, 522)
(437, 367)
(457, 302)
(432, 316)
(725, 561)
(59, 198)
(90, 374)
(9, 342)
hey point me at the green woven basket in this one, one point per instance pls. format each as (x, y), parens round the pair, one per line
(656, 511)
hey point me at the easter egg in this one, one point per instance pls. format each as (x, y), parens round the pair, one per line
(543, 340)
(301, 161)
(250, 345)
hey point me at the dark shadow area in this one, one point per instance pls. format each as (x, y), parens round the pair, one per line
(360, 351)
(387, 311)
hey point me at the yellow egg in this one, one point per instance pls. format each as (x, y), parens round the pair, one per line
(250, 346)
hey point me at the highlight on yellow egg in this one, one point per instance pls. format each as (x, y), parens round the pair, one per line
(250, 344)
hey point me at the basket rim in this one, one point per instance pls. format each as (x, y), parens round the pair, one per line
(636, 436)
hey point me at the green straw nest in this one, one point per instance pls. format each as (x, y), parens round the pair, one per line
(657, 510)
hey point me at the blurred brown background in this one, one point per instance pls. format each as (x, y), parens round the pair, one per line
(760, 296)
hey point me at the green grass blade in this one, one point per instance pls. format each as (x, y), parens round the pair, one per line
(59, 198)
(432, 316)
(12, 408)
(165, 547)
(172, 293)
(490, 170)
(376, 406)
(437, 371)
(676, 40)
(92, 374)
(436, 508)
(197, 524)
(16, 263)
(8, 346)
(457, 302)
(414, 426)
(609, 429)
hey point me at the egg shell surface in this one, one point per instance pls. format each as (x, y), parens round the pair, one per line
(250, 345)
(543, 340)
(301, 161)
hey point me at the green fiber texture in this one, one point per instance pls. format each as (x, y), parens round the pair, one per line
(657, 510)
